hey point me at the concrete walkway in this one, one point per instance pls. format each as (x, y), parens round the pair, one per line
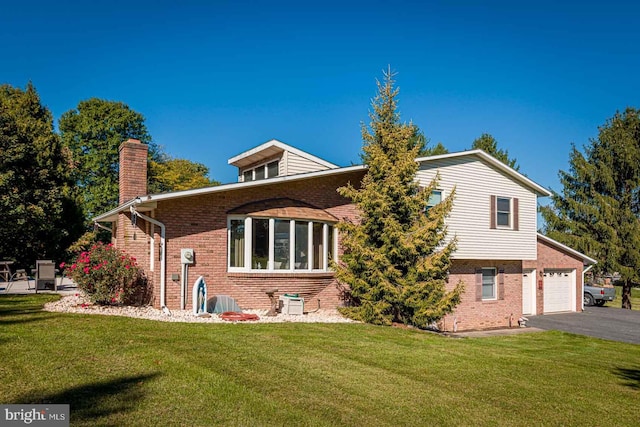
(64, 286)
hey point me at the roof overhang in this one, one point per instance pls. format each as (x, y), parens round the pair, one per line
(269, 150)
(149, 202)
(585, 259)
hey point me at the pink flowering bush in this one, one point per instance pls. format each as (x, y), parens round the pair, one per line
(109, 276)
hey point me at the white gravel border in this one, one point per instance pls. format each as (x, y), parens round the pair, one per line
(78, 303)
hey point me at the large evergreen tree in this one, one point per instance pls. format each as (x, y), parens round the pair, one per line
(94, 131)
(395, 262)
(598, 211)
(39, 215)
(489, 145)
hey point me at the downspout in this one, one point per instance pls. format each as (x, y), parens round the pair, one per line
(583, 273)
(163, 266)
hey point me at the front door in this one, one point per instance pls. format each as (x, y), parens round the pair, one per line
(529, 292)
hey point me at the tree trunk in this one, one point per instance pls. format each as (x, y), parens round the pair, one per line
(626, 294)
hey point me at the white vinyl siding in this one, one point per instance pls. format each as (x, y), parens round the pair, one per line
(475, 182)
(295, 164)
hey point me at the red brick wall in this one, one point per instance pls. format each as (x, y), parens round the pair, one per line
(473, 314)
(551, 257)
(132, 175)
(200, 222)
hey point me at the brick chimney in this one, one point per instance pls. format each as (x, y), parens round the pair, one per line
(132, 176)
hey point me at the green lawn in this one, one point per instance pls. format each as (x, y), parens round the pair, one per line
(117, 371)
(635, 298)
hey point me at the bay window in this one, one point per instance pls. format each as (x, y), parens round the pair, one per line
(279, 245)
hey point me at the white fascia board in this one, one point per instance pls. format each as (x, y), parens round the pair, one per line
(537, 188)
(115, 211)
(588, 260)
(284, 147)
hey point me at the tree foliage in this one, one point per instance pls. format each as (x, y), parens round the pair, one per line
(436, 150)
(94, 131)
(395, 262)
(598, 210)
(423, 142)
(489, 145)
(40, 217)
(169, 174)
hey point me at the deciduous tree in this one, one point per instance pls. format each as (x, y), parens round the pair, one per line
(94, 131)
(395, 261)
(169, 174)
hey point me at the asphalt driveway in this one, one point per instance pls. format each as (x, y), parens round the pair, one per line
(601, 322)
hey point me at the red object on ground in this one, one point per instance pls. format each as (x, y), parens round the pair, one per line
(234, 316)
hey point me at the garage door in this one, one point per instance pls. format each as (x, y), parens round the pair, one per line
(557, 290)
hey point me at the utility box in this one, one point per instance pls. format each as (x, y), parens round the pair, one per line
(292, 305)
(186, 256)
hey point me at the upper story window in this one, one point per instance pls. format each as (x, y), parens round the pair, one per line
(265, 170)
(434, 199)
(504, 212)
(279, 245)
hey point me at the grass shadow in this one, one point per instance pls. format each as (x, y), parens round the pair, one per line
(30, 319)
(630, 376)
(91, 403)
(16, 309)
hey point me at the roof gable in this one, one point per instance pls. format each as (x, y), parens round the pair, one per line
(585, 259)
(494, 163)
(271, 149)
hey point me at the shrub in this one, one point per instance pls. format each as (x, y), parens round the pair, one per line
(109, 276)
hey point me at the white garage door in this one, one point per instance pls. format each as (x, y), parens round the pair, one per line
(557, 290)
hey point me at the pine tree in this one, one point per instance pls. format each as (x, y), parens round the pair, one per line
(598, 211)
(395, 262)
(39, 215)
(489, 145)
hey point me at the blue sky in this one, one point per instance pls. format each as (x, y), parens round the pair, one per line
(215, 78)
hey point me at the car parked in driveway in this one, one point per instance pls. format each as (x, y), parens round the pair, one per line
(598, 295)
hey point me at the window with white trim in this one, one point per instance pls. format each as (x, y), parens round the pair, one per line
(503, 212)
(489, 283)
(279, 244)
(263, 171)
(434, 199)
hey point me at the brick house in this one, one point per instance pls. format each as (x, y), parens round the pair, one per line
(275, 229)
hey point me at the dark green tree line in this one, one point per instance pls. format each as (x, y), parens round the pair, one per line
(40, 216)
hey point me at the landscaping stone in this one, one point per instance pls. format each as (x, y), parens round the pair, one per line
(78, 303)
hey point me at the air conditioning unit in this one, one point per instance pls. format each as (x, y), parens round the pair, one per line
(186, 256)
